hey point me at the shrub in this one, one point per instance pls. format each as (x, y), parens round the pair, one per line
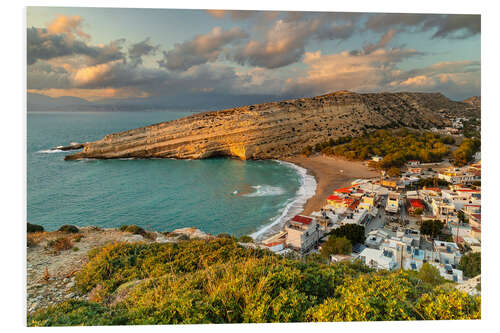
(75, 249)
(33, 238)
(69, 228)
(394, 172)
(430, 274)
(77, 238)
(245, 239)
(218, 281)
(336, 245)
(353, 232)
(134, 229)
(223, 235)
(60, 244)
(35, 228)
(418, 211)
(431, 228)
(470, 264)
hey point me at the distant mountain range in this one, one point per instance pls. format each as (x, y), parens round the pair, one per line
(38, 102)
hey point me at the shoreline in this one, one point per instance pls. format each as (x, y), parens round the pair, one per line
(330, 173)
(327, 173)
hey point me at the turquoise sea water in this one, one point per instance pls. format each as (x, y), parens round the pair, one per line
(156, 194)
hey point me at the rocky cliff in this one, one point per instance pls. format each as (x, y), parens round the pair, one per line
(275, 130)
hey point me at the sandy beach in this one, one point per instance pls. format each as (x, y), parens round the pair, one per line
(330, 173)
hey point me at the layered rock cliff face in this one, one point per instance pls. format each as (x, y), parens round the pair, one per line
(274, 130)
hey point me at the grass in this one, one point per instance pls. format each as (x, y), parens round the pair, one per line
(60, 244)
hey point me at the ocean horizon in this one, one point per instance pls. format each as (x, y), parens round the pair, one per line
(219, 195)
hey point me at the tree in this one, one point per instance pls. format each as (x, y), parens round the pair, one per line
(336, 245)
(245, 239)
(470, 264)
(431, 228)
(394, 172)
(353, 232)
(462, 218)
(430, 274)
(419, 211)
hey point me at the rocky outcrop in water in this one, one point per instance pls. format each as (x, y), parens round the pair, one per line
(278, 129)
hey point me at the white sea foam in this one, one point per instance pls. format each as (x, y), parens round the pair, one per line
(265, 191)
(50, 151)
(293, 206)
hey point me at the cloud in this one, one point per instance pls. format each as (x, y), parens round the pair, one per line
(286, 40)
(233, 14)
(359, 72)
(445, 26)
(42, 75)
(67, 25)
(59, 39)
(138, 50)
(200, 50)
(378, 71)
(384, 40)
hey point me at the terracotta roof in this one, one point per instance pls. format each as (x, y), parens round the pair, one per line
(416, 203)
(344, 190)
(476, 229)
(302, 219)
(334, 197)
(435, 189)
(354, 204)
(273, 244)
(468, 190)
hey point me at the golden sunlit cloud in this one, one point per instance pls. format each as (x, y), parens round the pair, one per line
(67, 25)
(92, 94)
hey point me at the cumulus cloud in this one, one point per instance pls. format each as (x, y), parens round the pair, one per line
(360, 72)
(70, 26)
(138, 50)
(285, 42)
(200, 50)
(444, 26)
(378, 71)
(59, 40)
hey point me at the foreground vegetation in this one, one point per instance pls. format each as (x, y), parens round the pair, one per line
(219, 281)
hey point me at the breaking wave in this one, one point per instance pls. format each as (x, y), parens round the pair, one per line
(265, 191)
(293, 206)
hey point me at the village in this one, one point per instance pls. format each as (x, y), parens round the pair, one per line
(398, 216)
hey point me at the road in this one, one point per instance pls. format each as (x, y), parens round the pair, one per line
(377, 222)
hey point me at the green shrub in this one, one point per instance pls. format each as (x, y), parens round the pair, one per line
(470, 264)
(35, 228)
(430, 274)
(245, 239)
(336, 245)
(134, 229)
(353, 232)
(69, 228)
(432, 228)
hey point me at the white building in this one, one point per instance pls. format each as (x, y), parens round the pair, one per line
(378, 259)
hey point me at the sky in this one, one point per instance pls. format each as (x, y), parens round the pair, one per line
(110, 53)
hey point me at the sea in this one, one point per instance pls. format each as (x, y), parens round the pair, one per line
(220, 195)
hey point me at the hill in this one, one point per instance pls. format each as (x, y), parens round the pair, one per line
(277, 129)
(217, 280)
